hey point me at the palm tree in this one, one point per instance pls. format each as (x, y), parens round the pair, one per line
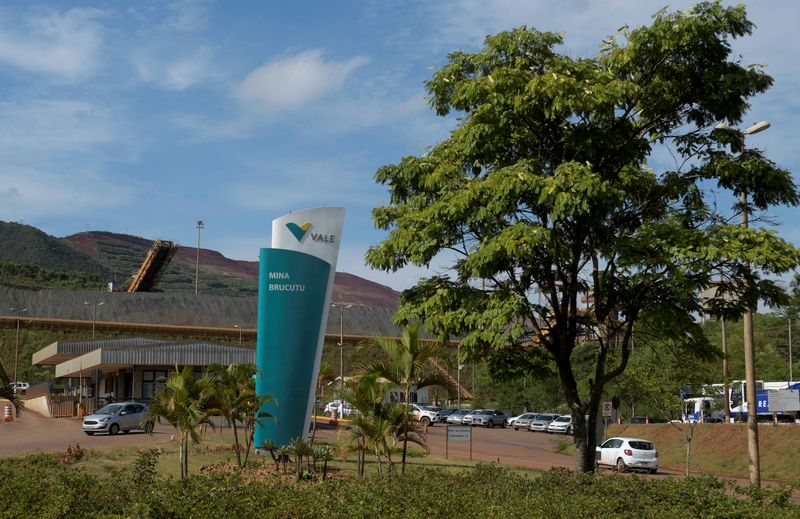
(405, 365)
(235, 398)
(376, 423)
(181, 400)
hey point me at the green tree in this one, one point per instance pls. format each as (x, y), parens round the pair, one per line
(405, 366)
(543, 193)
(182, 401)
(376, 424)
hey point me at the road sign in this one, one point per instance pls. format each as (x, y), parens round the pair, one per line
(607, 408)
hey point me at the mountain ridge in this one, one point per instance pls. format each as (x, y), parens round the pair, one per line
(112, 257)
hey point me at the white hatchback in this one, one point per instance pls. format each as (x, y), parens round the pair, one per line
(628, 453)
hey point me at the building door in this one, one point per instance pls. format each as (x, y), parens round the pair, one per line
(127, 385)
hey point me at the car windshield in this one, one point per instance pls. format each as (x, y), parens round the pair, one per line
(430, 408)
(642, 446)
(110, 409)
(563, 419)
(484, 411)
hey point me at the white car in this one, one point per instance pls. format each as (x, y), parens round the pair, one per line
(467, 418)
(628, 453)
(561, 425)
(425, 414)
(20, 387)
(342, 408)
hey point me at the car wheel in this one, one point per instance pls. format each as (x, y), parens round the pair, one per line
(126, 431)
(569, 431)
(653, 471)
(621, 467)
(89, 433)
(425, 421)
(504, 424)
(114, 429)
(516, 428)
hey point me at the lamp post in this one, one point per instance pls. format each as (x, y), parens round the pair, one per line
(94, 313)
(790, 351)
(747, 318)
(200, 226)
(19, 312)
(458, 372)
(240, 333)
(341, 307)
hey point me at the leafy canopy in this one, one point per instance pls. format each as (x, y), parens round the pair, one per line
(544, 194)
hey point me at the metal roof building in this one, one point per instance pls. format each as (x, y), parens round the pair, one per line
(128, 368)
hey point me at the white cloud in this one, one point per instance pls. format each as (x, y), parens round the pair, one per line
(295, 80)
(29, 194)
(53, 125)
(62, 44)
(175, 73)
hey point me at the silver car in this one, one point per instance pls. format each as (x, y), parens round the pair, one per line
(489, 418)
(541, 421)
(113, 418)
(457, 416)
(522, 421)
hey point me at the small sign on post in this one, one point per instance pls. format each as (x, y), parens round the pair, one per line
(458, 433)
(607, 409)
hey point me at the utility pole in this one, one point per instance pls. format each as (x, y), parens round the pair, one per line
(200, 226)
(341, 307)
(94, 313)
(749, 355)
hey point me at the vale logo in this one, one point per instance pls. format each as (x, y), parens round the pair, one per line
(298, 230)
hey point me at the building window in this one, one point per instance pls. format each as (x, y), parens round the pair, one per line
(150, 382)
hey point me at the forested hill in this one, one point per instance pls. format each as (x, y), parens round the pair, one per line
(30, 258)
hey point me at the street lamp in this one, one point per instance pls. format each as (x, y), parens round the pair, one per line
(240, 333)
(200, 225)
(747, 318)
(94, 313)
(16, 344)
(341, 307)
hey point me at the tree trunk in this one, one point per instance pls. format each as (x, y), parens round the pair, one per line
(236, 443)
(405, 434)
(378, 461)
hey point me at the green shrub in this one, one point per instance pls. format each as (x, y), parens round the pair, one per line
(35, 487)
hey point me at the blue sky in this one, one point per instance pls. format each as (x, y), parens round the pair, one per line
(143, 117)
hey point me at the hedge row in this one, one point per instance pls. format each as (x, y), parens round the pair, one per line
(43, 486)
